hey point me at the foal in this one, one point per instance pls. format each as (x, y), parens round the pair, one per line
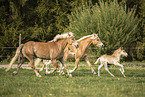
(112, 59)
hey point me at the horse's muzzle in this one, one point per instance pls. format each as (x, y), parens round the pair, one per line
(101, 45)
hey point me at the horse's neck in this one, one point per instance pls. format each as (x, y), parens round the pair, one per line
(84, 44)
(117, 55)
(62, 44)
(72, 48)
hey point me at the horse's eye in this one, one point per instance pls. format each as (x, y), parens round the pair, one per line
(72, 39)
(97, 39)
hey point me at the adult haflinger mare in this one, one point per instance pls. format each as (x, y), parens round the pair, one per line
(80, 52)
(52, 50)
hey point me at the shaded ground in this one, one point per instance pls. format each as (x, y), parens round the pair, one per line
(26, 66)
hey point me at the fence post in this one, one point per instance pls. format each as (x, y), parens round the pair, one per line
(19, 45)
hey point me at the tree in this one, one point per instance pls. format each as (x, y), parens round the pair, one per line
(140, 47)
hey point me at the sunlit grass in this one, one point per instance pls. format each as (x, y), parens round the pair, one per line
(82, 84)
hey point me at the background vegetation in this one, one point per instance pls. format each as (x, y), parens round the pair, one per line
(115, 25)
(41, 20)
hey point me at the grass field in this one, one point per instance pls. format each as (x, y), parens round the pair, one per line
(82, 84)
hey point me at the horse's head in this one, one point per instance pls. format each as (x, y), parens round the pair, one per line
(96, 41)
(71, 40)
(123, 52)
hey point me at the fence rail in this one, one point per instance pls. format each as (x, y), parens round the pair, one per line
(88, 48)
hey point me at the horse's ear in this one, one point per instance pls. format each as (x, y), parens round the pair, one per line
(97, 34)
(68, 34)
(93, 36)
(121, 48)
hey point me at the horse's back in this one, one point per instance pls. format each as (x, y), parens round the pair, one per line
(39, 49)
(49, 50)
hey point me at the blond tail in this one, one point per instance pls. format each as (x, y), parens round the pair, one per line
(97, 61)
(15, 57)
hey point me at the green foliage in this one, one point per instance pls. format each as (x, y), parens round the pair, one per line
(116, 25)
(41, 20)
(10, 37)
(140, 47)
(37, 20)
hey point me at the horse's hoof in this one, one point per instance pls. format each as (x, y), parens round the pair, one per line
(95, 73)
(14, 73)
(70, 71)
(70, 75)
(47, 73)
(62, 72)
(39, 76)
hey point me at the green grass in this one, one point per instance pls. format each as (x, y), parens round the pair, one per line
(82, 84)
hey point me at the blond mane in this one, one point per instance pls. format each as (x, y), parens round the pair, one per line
(84, 37)
(93, 36)
(116, 51)
(63, 36)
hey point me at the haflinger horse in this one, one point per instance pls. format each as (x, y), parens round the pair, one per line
(80, 52)
(112, 59)
(52, 50)
(67, 52)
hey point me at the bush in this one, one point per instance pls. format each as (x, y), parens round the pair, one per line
(115, 24)
(10, 38)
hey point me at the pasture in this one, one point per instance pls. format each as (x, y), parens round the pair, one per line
(82, 84)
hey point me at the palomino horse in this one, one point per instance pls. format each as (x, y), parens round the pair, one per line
(48, 62)
(112, 59)
(81, 52)
(53, 50)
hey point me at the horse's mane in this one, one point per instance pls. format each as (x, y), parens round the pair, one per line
(116, 51)
(84, 37)
(63, 36)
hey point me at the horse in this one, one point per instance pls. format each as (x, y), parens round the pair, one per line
(80, 52)
(112, 59)
(52, 50)
(48, 62)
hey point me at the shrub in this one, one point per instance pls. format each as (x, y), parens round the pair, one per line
(115, 24)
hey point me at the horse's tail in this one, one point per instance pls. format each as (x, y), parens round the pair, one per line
(15, 57)
(97, 61)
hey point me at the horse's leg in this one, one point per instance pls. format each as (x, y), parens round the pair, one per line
(88, 62)
(76, 65)
(31, 59)
(121, 69)
(106, 68)
(37, 61)
(33, 67)
(62, 67)
(99, 69)
(19, 65)
(54, 65)
(41, 69)
(48, 65)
